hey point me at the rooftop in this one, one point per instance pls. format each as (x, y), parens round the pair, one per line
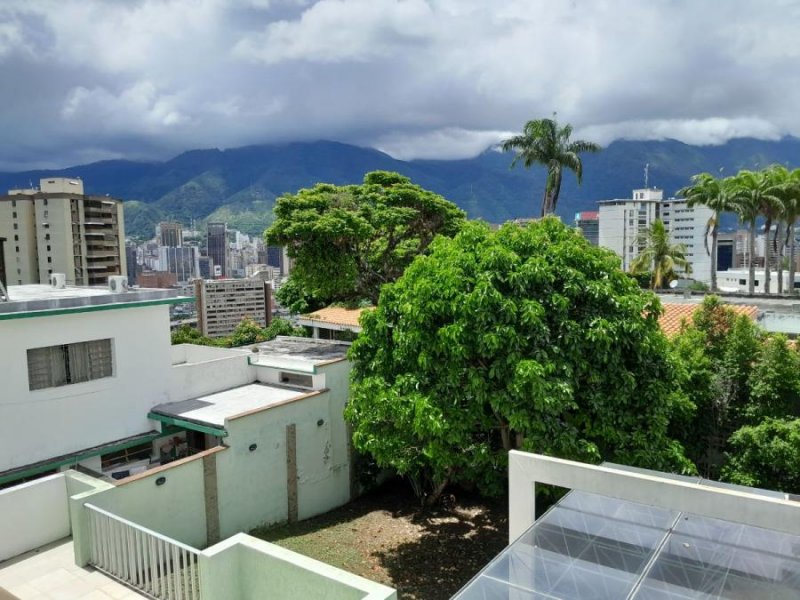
(40, 299)
(285, 351)
(335, 315)
(675, 314)
(593, 546)
(213, 409)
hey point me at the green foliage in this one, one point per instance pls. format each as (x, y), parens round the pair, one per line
(527, 337)
(698, 286)
(543, 142)
(246, 332)
(739, 380)
(660, 257)
(186, 334)
(766, 455)
(348, 241)
(295, 297)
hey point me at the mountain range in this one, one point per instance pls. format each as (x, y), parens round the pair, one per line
(240, 185)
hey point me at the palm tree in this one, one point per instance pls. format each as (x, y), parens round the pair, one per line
(543, 142)
(716, 194)
(659, 255)
(754, 196)
(788, 190)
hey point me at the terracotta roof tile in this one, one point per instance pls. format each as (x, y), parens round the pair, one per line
(335, 315)
(675, 314)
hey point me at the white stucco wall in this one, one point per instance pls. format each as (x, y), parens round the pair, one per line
(33, 514)
(41, 424)
(206, 371)
(252, 485)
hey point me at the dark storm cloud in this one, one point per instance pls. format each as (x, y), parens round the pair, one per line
(91, 79)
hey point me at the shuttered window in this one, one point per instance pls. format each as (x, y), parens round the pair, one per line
(54, 366)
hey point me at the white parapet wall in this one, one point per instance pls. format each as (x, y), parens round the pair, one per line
(526, 470)
(245, 568)
(33, 514)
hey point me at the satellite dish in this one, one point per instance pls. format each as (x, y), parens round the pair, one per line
(673, 284)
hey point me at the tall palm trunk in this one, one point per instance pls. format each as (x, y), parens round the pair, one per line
(752, 251)
(790, 228)
(714, 249)
(767, 227)
(779, 257)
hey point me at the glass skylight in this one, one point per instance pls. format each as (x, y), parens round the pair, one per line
(592, 547)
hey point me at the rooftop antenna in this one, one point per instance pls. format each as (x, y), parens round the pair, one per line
(646, 175)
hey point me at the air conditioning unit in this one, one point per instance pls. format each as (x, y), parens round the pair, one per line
(58, 281)
(118, 284)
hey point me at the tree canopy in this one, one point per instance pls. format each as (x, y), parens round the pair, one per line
(543, 142)
(527, 337)
(347, 241)
(659, 256)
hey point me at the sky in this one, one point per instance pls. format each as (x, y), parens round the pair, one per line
(87, 80)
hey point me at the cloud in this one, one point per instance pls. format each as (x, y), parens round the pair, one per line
(417, 78)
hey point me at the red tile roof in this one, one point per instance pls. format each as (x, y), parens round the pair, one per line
(675, 315)
(335, 315)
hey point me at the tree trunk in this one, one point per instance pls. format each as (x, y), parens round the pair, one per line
(791, 257)
(767, 227)
(752, 266)
(555, 192)
(436, 493)
(779, 251)
(714, 250)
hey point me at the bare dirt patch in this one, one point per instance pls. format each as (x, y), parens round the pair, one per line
(384, 536)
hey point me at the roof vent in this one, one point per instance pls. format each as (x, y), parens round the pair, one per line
(58, 281)
(118, 284)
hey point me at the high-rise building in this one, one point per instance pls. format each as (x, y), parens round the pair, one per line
(217, 245)
(182, 261)
(59, 229)
(131, 258)
(170, 235)
(588, 222)
(206, 267)
(623, 223)
(222, 304)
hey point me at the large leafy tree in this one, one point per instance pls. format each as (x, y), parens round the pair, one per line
(659, 256)
(766, 455)
(347, 241)
(716, 194)
(526, 337)
(543, 142)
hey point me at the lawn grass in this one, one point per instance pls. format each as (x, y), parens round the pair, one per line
(385, 537)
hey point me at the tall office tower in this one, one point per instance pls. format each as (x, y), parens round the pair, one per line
(222, 304)
(182, 262)
(59, 229)
(622, 223)
(589, 224)
(217, 244)
(131, 258)
(170, 235)
(206, 266)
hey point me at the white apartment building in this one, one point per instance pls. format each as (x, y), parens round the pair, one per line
(223, 303)
(57, 228)
(623, 221)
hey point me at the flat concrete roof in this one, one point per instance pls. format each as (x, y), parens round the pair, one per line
(304, 350)
(213, 409)
(44, 299)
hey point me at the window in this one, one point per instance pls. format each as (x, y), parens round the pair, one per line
(128, 455)
(743, 282)
(45, 201)
(13, 204)
(296, 379)
(14, 214)
(49, 259)
(16, 226)
(48, 247)
(16, 238)
(54, 366)
(47, 236)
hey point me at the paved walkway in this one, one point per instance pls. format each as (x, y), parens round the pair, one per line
(49, 573)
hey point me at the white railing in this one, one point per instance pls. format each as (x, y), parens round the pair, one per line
(155, 564)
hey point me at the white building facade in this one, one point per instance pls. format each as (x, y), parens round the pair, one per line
(624, 221)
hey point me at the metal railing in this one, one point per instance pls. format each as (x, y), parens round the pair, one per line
(153, 563)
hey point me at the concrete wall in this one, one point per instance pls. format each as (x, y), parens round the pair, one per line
(245, 568)
(74, 417)
(176, 509)
(199, 370)
(33, 514)
(252, 484)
